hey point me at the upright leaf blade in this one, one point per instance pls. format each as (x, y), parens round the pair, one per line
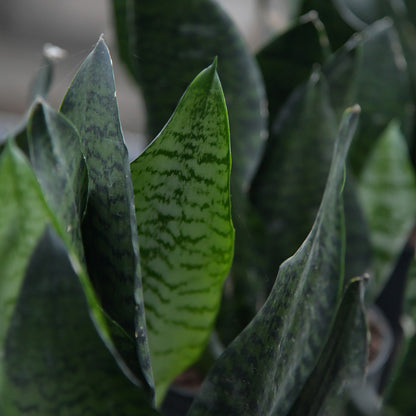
(181, 186)
(54, 146)
(109, 229)
(267, 366)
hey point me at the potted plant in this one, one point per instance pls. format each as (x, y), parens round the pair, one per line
(117, 277)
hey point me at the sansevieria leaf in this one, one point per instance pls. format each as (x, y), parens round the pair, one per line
(109, 228)
(52, 355)
(265, 369)
(182, 198)
(387, 189)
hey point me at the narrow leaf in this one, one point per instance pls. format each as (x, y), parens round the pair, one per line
(181, 186)
(54, 360)
(109, 228)
(264, 370)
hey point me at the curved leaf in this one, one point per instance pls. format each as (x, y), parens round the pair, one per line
(109, 229)
(265, 369)
(181, 186)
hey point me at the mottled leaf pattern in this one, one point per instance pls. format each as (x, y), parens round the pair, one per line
(387, 189)
(109, 228)
(181, 187)
(266, 367)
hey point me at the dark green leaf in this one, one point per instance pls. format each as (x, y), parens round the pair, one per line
(54, 360)
(182, 199)
(289, 185)
(370, 70)
(264, 370)
(54, 146)
(170, 43)
(287, 61)
(109, 229)
(343, 358)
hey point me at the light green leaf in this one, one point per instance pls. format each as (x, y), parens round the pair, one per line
(265, 369)
(109, 229)
(182, 198)
(54, 360)
(387, 189)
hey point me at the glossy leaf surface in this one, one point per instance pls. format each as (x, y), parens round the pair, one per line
(109, 228)
(182, 199)
(265, 369)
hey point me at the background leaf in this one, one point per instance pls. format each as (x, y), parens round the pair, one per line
(109, 228)
(287, 60)
(181, 186)
(387, 189)
(267, 365)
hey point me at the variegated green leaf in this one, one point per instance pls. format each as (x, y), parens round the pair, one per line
(266, 367)
(54, 146)
(181, 188)
(387, 189)
(109, 229)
